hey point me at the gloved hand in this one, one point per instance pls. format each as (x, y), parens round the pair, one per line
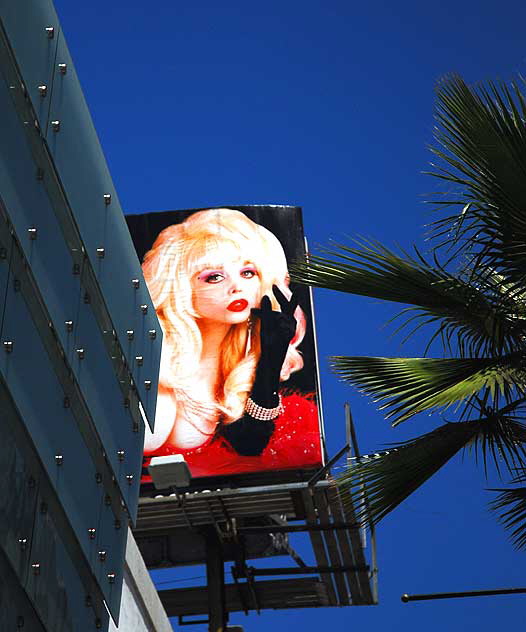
(249, 436)
(276, 331)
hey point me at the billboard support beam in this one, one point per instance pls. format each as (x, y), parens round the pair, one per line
(215, 579)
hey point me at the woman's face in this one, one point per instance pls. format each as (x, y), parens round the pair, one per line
(226, 293)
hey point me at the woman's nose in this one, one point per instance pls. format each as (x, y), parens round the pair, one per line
(235, 287)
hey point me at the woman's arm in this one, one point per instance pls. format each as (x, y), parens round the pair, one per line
(250, 434)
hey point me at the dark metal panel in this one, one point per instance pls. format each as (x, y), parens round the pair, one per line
(18, 490)
(15, 430)
(33, 384)
(123, 442)
(111, 549)
(53, 583)
(16, 611)
(35, 46)
(5, 263)
(82, 168)
(36, 225)
(128, 298)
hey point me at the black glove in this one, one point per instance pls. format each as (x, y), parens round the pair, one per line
(249, 436)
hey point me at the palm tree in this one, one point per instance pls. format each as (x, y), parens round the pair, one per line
(470, 289)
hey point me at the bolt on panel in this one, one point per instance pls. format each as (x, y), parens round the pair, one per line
(34, 38)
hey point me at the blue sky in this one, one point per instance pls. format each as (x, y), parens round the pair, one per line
(328, 105)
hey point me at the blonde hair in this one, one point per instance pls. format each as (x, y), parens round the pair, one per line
(168, 268)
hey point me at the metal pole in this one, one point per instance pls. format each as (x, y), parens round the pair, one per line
(353, 440)
(215, 578)
(470, 593)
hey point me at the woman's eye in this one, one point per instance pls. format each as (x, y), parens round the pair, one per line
(248, 273)
(215, 277)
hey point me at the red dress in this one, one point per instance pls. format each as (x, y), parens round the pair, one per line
(294, 444)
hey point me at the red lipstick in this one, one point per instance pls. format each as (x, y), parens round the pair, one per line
(238, 306)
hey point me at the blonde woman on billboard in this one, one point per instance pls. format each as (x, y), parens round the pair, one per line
(231, 326)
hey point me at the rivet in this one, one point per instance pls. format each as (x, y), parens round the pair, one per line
(67, 403)
(91, 533)
(107, 500)
(76, 269)
(152, 334)
(43, 508)
(36, 568)
(22, 543)
(107, 198)
(144, 309)
(87, 298)
(32, 233)
(129, 478)
(139, 360)
(111, 578)
(100, 253)
(20, 622)
(3, 253)
(62, 68)
(80, 354)
(120, 455)
(130, 334)
(98, 623)
(136, 283)
(8, 346)
(126, 402)
(98, 478)
(88, 601)
(117, 524)
(42, 90)
(147, 384)
(39, 174)
(135, 426)
(55, 126)
(50, 32)
(31, 482)
(59, 459)
(102, 556)
(69, 325)
(16, 285)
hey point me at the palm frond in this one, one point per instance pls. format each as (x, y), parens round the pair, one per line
(407, 386)
(510, 505)
(480, 321)
(389, 477)
(481, 135)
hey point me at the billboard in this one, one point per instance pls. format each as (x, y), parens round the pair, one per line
(238, 378)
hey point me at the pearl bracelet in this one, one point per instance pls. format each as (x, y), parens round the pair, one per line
(263, 414)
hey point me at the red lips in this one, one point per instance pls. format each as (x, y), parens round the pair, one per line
(238, 306)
